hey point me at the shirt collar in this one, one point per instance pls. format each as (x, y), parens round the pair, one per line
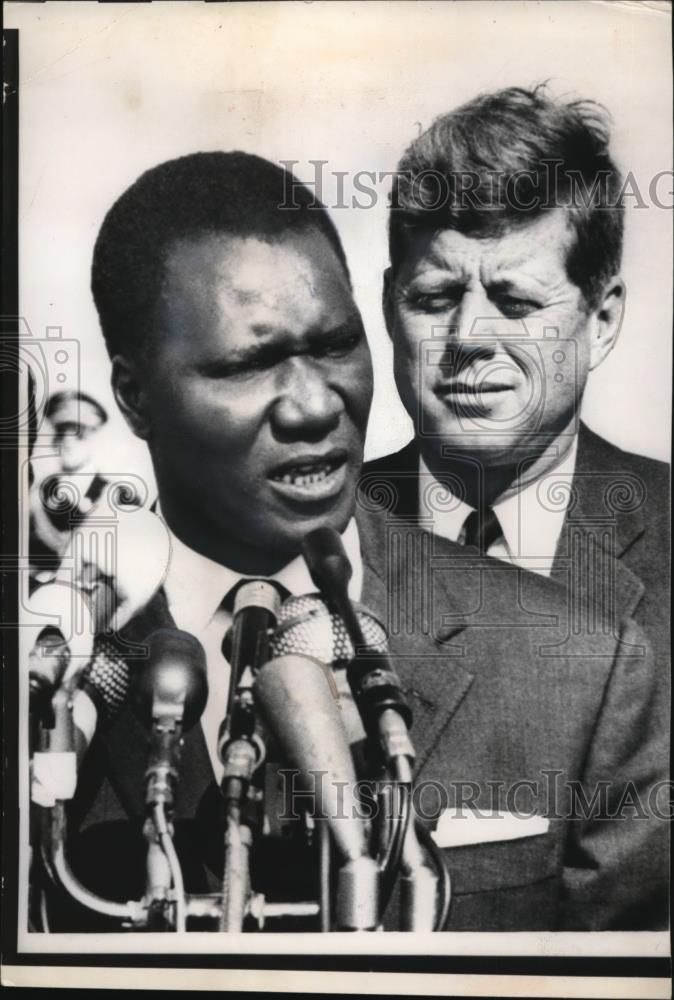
(196, 585)
(531, 518)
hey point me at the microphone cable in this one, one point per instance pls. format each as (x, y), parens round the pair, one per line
(438, 859)
(168, 847)
(44, 915)
(400, 823)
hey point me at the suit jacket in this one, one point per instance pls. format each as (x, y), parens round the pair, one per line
(616, 533)
(506, 689)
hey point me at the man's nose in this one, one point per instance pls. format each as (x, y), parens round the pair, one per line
(73, 453)
(475, 322)
(308, 407)
(472, 335)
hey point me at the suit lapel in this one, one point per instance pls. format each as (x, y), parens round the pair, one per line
(604, 519)
(605, 491)
(401, 589)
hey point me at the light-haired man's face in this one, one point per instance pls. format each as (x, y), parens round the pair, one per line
(492, 341)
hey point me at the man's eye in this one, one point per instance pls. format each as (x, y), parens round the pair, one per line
(433, 302)
(245, 369)
(340, 347)
(515, 308)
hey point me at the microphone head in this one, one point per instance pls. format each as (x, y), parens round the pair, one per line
(172, 679)
(328, 563)
(308, 627)
(257, 594)
(299, 703)
(48, 662)
(263, 599)
(106, 679)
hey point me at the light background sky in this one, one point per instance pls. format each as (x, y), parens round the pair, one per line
(108, 90)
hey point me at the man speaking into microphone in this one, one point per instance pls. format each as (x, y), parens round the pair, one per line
(239, 356)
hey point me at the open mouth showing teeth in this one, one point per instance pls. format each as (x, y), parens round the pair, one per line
(309, 473)
(306, 475)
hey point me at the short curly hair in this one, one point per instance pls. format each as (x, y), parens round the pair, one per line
(234, 193)
(501, 160)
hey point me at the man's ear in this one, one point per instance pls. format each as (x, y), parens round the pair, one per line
(131, 395)
(607, 320)
(387, 300)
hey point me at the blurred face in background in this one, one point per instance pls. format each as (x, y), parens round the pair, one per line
(76, 423)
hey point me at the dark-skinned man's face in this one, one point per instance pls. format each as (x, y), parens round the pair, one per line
(255, 395)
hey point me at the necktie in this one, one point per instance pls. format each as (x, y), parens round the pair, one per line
(481, 529)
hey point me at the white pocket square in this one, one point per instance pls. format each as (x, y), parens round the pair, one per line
(461, 826)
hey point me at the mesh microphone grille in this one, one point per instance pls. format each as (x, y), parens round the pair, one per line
(107, 679)
(306, 626)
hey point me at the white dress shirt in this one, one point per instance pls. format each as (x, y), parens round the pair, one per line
(195, 587)
(531, 518)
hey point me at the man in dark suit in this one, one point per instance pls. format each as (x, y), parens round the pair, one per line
(541, 750)
(503, 294)
(249, 375)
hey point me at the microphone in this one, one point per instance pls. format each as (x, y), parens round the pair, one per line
(241, 744)
(246, 646)
(298, 700)
(172, 679)
(374, 683)
(306, 626)
(168, 694)
(102, 691)
(111, 584)
(71, 718)
(256, 607)
(328, 563)
(77, 617)
(58, 652)
(102, 589)
(386, 717)
(108, 585)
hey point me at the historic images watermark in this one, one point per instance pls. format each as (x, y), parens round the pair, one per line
(526, 191)
(550, 795)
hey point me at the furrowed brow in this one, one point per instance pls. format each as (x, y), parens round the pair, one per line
(349, 327)
(283, 346)
(523, 282)
(440, 272)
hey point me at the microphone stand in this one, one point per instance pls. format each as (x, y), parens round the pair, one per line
(162, 865)
(53, 783)
(50, 733)
(241, 745)
(170, 692)
(386, 719)
(240, 758)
